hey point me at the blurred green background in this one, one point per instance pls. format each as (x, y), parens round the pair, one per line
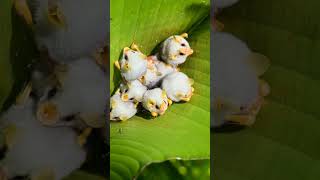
(284, 141)
(18, 52)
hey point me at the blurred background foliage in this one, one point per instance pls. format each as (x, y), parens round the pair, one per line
(284, 141)
(18, 53)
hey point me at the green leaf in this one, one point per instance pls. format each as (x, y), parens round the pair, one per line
(195, 169)
(5, 36)
(284, 142)
(183, 132)
(177, 170)
(165, 170)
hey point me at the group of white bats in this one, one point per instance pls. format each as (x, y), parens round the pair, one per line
(46, 128)
(154, 81)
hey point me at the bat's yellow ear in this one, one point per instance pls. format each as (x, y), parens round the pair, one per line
(56, 16)
(175, 38)
(23, 10)
(184, 35)
(126, 49)
(135, 47)
(117, 64)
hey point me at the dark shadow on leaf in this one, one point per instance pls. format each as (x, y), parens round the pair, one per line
(116, 76)
(143, 113)
(98, 158)
(156, 49)
(194, 9)
(116, 80)
(228, 128)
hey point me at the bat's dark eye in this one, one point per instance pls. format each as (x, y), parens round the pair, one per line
(125, 91)
(157, 107)
(126, 57)
(52, 93)
(183, 44)
(131, 99)
(181, 54)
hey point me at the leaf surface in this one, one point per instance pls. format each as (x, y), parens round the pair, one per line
(183, 131)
